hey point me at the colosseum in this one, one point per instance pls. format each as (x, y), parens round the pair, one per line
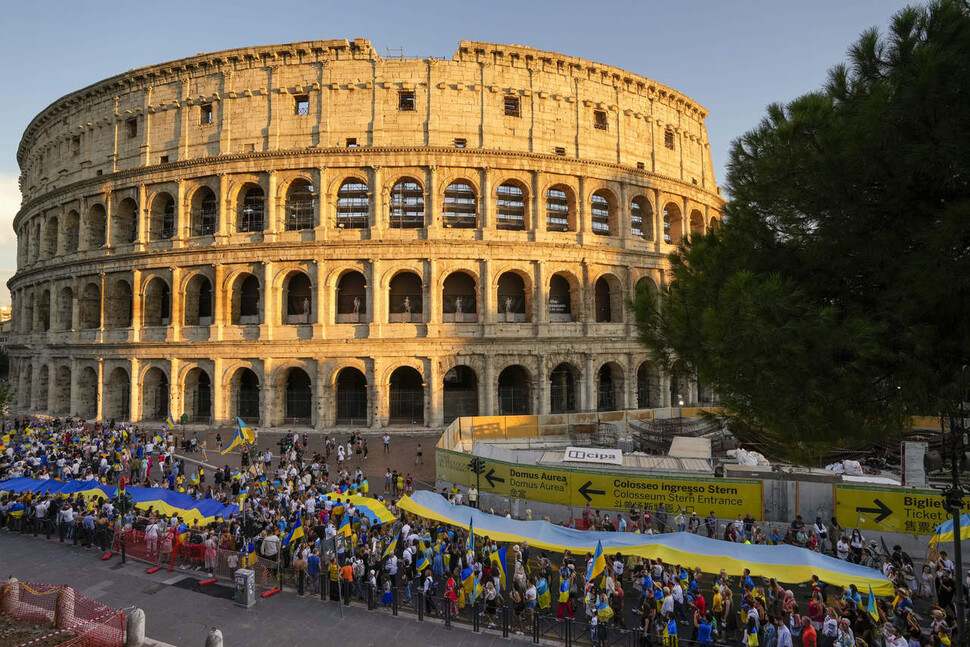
(312, 235)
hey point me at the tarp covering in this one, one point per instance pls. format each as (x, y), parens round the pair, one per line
(374, 510)
(163, 501)
(785, 563)
(944, 531)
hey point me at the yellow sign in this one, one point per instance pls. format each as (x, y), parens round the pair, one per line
(890, 509)
(727, 498)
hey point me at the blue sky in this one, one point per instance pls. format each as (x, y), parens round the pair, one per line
(734, 57)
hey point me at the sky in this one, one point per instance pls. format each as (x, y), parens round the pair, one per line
(732, 57)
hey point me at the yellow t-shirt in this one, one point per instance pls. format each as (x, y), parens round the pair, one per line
(718, 602)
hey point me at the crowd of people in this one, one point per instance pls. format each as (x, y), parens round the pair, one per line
(292, 503)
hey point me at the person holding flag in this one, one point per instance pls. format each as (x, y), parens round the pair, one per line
(565, 608)
(597, 565)
(497, 558)
(248, 435)
(237, 439)
(295, 534)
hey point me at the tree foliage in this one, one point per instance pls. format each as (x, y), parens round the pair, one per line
(831, 304)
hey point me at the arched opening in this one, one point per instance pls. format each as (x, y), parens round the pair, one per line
(601, 213)
(70, 234)
(351, 398)
(696, 222)
(353, 205)
(298, 398)
(406, 397)
(300, 204)
(65, 309)
(351, 298)
(705, 394)
(95, 227)
(154, 395)
(406, 205)
(245, 300)
(116, 404)
(713, 224)
(608, 299)
(158, 303)
(43, 385)
(297, 299)
(673, 226)
(514, 392)
(458, 302)
(89, 308)
(244, 395)
(648, 386)
(511, 298)
(678, 391)
(405, 298)
(460, 209)
(560, 299)
(87, 393)
(162, 217)
(563, 382)
(197, 301)
(205, 212)
(118, 304)
(251, 207)
(641, 218)
(460, 393)
(197, 396)
(124, 223)
(50, 238)
(609, 387)
(560, 208)
(510, 207)
(62, 390)
(44, 310)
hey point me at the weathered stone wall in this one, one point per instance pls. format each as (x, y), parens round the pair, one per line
(150, 199)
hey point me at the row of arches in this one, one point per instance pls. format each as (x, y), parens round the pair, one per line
(460, 300)
(294, 395)
(245, 209)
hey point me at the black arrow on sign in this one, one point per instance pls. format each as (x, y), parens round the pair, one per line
(881, 510)
(585, 491)
(492, 479)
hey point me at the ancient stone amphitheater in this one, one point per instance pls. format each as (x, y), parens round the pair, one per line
(313, 235)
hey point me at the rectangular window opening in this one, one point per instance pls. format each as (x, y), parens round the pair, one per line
(669, 139)
(131, 127)
(405, 101)
(512, 106)
(302, 104)
(205, 114)
(351, 142)
(250, 148)
(600, 120)
(461, 142)
(163, 159)
(76, 145)
(641, 166)
(561, 151)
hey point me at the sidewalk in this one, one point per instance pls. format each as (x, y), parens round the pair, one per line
(183, 616)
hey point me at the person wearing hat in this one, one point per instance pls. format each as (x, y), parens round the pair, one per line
(693, 523)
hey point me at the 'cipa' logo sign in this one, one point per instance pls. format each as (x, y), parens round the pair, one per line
(593, 455)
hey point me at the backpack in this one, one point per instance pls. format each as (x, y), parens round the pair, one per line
(433, 588)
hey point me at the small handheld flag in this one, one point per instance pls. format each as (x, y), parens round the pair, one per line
(391, 547)
(295, 533)
(498, 561)
(471, 535)
(872, 605)
(598, 564)
(345, 528)
(170, 420)
(237, 439)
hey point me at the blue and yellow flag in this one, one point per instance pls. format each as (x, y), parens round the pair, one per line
(345, 528)
(468, 580)
(498, 561)
(476, 590)
(392, 546)
(423, 563)
(471, 535)
(872, 605)
(170, 420)
(246, 432)
(296, 532)
(596, 565)
(237, 439)
(944, 531)
(249, 555)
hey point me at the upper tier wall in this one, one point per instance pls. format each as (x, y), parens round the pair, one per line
(331, 94)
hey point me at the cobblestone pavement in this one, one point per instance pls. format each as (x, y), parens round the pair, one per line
(182, 616)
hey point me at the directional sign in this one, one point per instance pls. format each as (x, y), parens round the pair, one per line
(891, 509)
(605, 490)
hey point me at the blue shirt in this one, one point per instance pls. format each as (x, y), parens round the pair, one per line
(313, 565)
(704, 633)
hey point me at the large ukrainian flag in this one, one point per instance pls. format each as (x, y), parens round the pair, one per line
(944, 531)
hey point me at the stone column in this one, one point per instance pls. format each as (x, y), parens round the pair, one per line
(435, 390)
(272, 226)
(322, 209)
(324, 394)
(267, 410)
(623, 213)
(582, 211)
(317, 297)
(135, 412)
(540, 302)
(538, 213)
(376, 195)
(224, 215)
(658, 220)
(485, 306)
(485, 204)
(432, 218)
(136, 306)
(103, 301)
(176, 406)
(99, 414)
(144, 214)
(268, 297)
(589, 392)
(433, 289)
(220, 392)
(375, 298)
(183, 215)
(542, 385)
(75, 375)
(108, 217)
(178, 316)
(220, 303)
(487, 388)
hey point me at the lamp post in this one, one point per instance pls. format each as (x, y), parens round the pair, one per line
(954, 444)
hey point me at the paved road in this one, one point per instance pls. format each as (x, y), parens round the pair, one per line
(183, 616)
